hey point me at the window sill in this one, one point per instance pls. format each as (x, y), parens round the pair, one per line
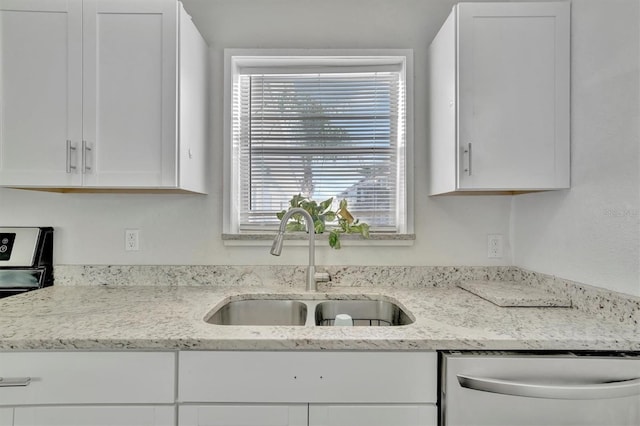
(300, 239)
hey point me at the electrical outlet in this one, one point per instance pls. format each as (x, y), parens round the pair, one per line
(494, 246)
(132, 239)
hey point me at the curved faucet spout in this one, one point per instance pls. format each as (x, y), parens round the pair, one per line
(276, 248)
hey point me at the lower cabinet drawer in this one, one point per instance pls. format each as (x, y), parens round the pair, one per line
(95, 416)
(373, 415)
(87, 377)
(307, 377)
(308, 415)
(243, 415)
(6, 416)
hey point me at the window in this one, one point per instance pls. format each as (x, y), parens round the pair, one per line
(323, 126)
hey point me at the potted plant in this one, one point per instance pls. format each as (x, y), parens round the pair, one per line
(321, 213)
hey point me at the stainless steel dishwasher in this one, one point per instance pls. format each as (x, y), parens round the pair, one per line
(487, 388)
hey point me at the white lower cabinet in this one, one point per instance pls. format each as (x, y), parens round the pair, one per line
(308, 415)
(87, 388)
(95, 416)
(227, 388)
(218, 388)
(373, 415)
(243, 415)
(6, 416)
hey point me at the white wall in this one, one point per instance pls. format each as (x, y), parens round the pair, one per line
(591, 233)
(186, 229)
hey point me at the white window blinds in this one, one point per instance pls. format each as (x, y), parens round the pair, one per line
(322, 134)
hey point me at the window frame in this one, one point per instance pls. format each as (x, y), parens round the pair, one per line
(255, 58)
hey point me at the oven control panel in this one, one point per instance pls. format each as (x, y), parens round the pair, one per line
(18, 246)
(6, 244)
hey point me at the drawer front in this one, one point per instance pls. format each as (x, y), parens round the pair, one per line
(125, 415)
(6, 416)
(326, 377)
(243, 415)
(373, 415)
(88, 377)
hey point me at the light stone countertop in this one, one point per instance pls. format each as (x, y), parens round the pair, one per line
(513, 294)
(171, 317)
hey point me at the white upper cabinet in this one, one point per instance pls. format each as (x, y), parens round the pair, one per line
(40, 91)
(499, 98)
(120, 76)
(129, 106)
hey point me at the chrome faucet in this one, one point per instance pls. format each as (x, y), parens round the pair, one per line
(312, 278)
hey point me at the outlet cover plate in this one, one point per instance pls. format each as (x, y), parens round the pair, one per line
(494, 246)
(131, 239)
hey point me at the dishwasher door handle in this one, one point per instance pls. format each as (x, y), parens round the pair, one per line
(608, 390)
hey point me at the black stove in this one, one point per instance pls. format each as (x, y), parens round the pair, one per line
(26, 259)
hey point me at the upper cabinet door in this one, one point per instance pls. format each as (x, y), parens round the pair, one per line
(40, 92)
(130, 93)
(513, 96)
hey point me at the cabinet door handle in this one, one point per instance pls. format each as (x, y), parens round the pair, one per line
(70, 148)
(9, 382)
(85, 149)
(468, 153)
(607, 390)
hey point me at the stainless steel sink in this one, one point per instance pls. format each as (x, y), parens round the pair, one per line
(288, 312)
(363, 312)
(260, 312)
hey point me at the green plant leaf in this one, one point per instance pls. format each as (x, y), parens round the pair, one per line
(334, 240)
(326, 204)
(329, 216)
(296, 200)
(364, 229)
(295, 227)
(319, 226)
(281, 214)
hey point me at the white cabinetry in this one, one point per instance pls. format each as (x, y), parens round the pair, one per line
(372, 415)
(6, 417)
(243, 415)
(87, 388)
(331, 388)
(95, 416)
(101, 94)
(40, 91)
(499, 98)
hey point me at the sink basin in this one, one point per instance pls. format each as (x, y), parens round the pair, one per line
(363, 312)
(256, 311)
(260, 312)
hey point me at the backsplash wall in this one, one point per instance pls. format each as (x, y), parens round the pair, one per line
(591, 234)
(452, 230)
